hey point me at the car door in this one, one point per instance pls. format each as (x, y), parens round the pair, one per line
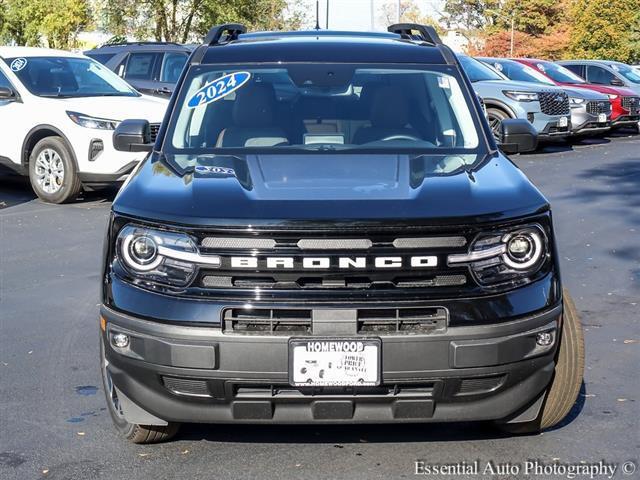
(141, 70)
(602, 76)
(170, 70)
(13, 124)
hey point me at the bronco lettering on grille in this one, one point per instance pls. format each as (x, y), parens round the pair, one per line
(344, 263)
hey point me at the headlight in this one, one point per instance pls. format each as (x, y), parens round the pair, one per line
(521, 96)
(505, 255)
(612, 96)
(92, 122)
(576, 101)
(158, 256)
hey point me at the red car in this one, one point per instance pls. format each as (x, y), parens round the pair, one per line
(625, 104)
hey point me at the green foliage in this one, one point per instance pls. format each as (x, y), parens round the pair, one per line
(188, 20)
(52, 23)
(534, 17)
(605, 29)
(470, 14)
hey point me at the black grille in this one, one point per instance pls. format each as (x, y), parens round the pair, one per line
(378, 321)
(472, 386)
(186, 386)
(632, 104)
(269, 321)
(597, 107)
(351, 267)
(401, 320)
(154, 127)
(554, 103)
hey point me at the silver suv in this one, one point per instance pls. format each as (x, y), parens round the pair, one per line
(590, 110)
(546, 108)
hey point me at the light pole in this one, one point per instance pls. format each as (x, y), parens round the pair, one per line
(512, 19)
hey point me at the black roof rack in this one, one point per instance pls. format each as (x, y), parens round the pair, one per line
(232, 30)
(426, 33)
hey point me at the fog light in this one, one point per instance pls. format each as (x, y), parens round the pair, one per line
(544, 339)
(120, 340)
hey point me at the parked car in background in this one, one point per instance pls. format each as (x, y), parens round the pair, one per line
(58, 111)
(625, 104)
(603, 72)
(151, 67)
(546, 107)
(590, 110)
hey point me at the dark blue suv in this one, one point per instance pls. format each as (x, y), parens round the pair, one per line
(150, 67)
(326, 231)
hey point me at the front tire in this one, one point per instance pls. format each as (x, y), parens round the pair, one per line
(565, 386)
(495, 117)
(52, 171)
(141, 434)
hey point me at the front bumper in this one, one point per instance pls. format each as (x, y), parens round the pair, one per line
(548, 126)
(200, 374)
(583, 122)
(625, 120)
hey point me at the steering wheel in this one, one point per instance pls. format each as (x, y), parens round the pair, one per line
(391, 138)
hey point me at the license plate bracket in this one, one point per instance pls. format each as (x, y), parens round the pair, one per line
(335, 362)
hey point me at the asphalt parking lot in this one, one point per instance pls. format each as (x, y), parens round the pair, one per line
(53, 422)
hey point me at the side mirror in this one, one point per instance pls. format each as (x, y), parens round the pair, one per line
(132, 136)
(7, 93)
(615, 81)
(517, 135)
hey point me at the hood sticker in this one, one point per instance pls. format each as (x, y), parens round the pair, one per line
(18, 64)
(219, 88)
(215, 171)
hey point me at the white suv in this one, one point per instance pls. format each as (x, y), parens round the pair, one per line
(58, 111)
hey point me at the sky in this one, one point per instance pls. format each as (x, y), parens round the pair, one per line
(356, 14)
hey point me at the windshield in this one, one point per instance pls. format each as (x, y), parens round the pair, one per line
(559, 73)
(68, 77)
(519, 72)
(478, 71)
(321, 107)
(627, 72)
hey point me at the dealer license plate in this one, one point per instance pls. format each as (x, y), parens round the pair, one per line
(602, 117)
(334, 362)
(563, 122)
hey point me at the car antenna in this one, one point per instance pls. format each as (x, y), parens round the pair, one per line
(317, 14)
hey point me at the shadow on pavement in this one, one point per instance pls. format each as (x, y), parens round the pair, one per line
(16, 190)
(341, 434)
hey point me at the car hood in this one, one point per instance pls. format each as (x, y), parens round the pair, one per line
(276, 190)
(514, 85)
(585, 93)
(117, 108)
(622, 91)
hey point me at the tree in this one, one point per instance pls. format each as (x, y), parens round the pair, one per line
(188, 20)
(534, 17)
(470, 14)
(409, 13)
(551, 46)
(605, 29)
(54, 23)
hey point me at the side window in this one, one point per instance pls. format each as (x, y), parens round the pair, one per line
(172, 65)
(4, 81)
(599, 75)
(141, 66)
(577, 69)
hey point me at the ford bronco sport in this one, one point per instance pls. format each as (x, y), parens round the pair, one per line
(325, 231)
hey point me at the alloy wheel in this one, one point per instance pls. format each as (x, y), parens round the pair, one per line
(49, 170)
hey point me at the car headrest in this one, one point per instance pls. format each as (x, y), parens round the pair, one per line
(390, 108)
(254, 106)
